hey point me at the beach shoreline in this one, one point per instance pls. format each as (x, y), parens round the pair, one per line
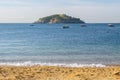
(38, 72)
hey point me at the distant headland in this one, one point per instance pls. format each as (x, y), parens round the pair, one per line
(59, 18)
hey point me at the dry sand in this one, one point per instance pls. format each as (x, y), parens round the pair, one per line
(59, 73)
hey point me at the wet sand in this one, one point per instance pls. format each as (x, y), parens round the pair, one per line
(59, 73)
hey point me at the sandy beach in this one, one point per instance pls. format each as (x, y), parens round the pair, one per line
(59, 73)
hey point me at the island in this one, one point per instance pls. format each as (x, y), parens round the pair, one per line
(59, 18)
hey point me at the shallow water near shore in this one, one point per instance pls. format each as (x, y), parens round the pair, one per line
(95, 44)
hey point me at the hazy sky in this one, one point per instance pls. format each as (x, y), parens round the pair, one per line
(87, 10)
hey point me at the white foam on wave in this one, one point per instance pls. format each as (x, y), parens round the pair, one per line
(29, 63)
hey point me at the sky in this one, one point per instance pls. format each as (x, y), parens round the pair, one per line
(90, 11)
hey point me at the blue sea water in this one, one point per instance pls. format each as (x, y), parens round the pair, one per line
(51, 44)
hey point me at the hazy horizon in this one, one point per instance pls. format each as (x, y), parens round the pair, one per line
(90, 11)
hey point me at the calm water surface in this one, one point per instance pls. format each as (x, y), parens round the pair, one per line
(49, 43)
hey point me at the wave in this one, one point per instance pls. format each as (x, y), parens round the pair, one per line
(29, 63)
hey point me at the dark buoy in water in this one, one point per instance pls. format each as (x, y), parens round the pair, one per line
(31, 25)
(65, 26)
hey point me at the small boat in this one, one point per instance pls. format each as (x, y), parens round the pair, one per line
(65, 26)
(110, 25)
(83, 25)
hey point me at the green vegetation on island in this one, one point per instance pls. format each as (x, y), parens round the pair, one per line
(59, 18)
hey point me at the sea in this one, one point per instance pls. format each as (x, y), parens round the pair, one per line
(23, 44)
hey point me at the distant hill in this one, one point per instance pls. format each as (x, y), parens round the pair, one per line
(59, 18)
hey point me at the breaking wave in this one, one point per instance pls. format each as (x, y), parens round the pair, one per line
(29, 63)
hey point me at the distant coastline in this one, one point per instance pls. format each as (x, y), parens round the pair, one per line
(59, 18)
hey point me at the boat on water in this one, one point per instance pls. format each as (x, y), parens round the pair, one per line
(83, 25)
(111, 25)
(65, 26)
